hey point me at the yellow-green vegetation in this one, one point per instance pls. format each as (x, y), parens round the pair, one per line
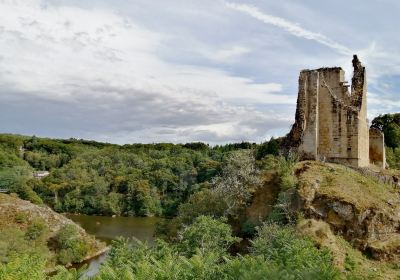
(345, 184)
(362, 213)
(237, 212)
(26, 228)
(350, 261)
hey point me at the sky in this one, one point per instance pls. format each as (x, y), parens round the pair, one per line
(215, 71)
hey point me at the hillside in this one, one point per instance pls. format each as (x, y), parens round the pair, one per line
(365, 212)
(352, 214)
(28, 228)
(347, 211)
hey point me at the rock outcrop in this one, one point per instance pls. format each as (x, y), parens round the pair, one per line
(364, 212)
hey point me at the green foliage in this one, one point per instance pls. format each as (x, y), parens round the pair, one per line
(270, 147)
(35, 229)
(203, 203)
(284, 168)
(70, 245)
(105, 179)
(96, 178)
(389, 124)
(24, 191)
(283, 247)
(206, 235)
(21, 217)
(23, 267)
(13, 241)
(393, 157)
(142, 200)
(248, 228)
(282, 213)
(276, 253)
(9, 176)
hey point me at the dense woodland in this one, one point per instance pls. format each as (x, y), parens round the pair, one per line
(203, 192)
(95, 178)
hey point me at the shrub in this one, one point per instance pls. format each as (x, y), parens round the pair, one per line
(25, 192)
(35, 229)
(21, 218)
(70, 245)
(282, 212)
(283, 247)
(248, 228)
(23, 267)
(207, 235)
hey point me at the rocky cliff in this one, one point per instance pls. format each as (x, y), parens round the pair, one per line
(357, 207)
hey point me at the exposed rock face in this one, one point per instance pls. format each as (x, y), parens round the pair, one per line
(331, 122)
(333, 194)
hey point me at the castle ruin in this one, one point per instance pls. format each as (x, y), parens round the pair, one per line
(331, 121)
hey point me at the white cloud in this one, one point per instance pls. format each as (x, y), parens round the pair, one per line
(291, 27)
(227, 55)
(92, 63)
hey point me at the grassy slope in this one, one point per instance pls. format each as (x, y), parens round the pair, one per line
(346, 184)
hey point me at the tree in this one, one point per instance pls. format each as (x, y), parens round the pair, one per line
(206, 235)
(238, 180)
(389, 124)
(69, 244)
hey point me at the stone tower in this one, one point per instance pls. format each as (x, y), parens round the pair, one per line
(331, 121)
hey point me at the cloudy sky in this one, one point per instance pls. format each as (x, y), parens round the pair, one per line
(178, 71)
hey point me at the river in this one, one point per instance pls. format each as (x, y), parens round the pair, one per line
(107, 228)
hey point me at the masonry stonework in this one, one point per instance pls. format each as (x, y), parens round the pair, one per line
(377, 147)
(331, 121)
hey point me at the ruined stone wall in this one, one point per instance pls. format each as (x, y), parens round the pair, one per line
(331, 122)
(377, 147)
(308, 93)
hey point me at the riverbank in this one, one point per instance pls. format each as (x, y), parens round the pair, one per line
(24, 224)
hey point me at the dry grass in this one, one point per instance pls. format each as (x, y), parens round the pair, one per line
(345, 184)
(350, 261)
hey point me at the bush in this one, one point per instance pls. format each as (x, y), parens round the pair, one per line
(21, 218)
(25, 192)
(282, 212)
(205, 202)
(248, 228)
(283, 247)
(23, 267)
(35, 229)
(206, 235)
(70, 245)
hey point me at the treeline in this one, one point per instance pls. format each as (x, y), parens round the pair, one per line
(106, 179)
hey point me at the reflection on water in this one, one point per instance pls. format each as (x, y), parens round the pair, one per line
(107, 228)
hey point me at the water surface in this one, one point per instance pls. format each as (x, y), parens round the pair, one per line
(107, 228)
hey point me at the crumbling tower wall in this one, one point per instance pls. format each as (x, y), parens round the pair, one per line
(377, 147)
(331, 122)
